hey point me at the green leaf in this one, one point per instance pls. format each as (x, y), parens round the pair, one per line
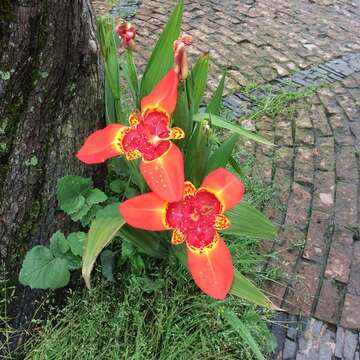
(127, 249)
(95, 196)
(245, 289)
(132, 77)
(215, 102)
(161, 59)
(241, 328)
(198, 76)
(70, 191)
(76, 241)
(222, 123)
(41, 270)
(74, 262)
(81, 213)
(235, 166)
(86, 219)
(118, 186)
(248, 221)
(107, 259)
(197, 154)
(147, 242)
(220, 157)
(58, 244)
(150, 286)
(108, 49)
(181, 115)
(103, 229)
(110, 112)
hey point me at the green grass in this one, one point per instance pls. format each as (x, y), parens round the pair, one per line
(128, 320)
(159, 314)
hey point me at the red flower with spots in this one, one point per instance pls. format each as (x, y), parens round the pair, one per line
(148, 137)
(195, 220)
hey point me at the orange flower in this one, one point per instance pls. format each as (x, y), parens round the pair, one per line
(148, 137)
(127, 33)
(180, 57)
(195, 219)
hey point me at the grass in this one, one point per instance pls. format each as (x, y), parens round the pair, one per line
(158, 314)
(132, 320)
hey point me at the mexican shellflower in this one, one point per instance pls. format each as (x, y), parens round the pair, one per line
(127, 33)
(148, 137)
(195, 220)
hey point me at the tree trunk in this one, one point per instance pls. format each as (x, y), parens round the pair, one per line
(51, 99)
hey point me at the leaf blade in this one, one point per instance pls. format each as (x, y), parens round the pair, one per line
(103, 229)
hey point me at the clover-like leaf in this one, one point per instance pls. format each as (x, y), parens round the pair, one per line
(95, 196)
(76, 241)
(58, 244)
(70, 193)
(41, 270)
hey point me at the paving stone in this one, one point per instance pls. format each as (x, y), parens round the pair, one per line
(303, 288)
(346, 204)
(327, 345)
(318, 235)
(284, 157)
(298, 206)
(304, 137)
(340, 255)
(354, 281)
(289, 351)
(324, 191)
(350, 343)
(339, 347)
(350, 318)
(346, 165)
(328, 302)
(304, 165)
(325, 154)
(320, 120)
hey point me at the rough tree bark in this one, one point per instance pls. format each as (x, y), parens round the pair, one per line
(50, 99)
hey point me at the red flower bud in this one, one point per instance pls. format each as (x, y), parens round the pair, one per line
(127, 33)
(180, 58)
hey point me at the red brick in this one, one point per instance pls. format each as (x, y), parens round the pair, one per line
(327, 306)
(350, 318)
(302, 292)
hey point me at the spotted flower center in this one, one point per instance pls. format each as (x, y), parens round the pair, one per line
(150, 137)
(195, 217)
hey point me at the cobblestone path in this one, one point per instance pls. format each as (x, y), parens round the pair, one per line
(315, 166)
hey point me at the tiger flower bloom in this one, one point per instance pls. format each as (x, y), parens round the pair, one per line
(127, 33)
(180, 57)
(195, 220)
(148, 137)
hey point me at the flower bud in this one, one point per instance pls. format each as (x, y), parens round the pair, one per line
(180, 57)
(127, 33)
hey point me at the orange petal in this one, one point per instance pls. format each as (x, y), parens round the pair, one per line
(221, 222)
(102, 145)
(212, 269)
(145, 211)
(163, 95)
(225, 186)
(165, 174)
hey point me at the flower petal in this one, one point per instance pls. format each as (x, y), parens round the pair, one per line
(225, 186)
(163, 95)
(145, 211)
(102, 145)
(165, 174)
(212, 269)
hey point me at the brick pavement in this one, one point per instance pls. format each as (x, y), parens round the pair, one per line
(315, 166)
